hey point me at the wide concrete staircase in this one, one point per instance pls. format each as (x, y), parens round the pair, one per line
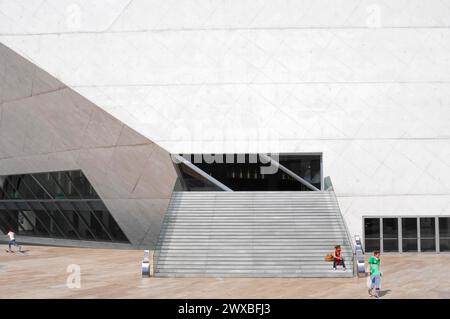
(251, 234)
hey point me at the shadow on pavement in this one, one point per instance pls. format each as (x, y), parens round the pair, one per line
(384, 292)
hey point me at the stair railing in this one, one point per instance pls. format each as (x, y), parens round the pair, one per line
(145, 265)
(359, 254)
(157, 250)
(289, 172)
(328, 186)
(182, 160)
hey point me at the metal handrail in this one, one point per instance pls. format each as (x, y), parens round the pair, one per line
(359, 254)
(145, 266)
(289, 172)
(349, 238)
(157, 248)
(182, 160)
(155, 260)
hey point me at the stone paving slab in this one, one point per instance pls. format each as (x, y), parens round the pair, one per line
(41, 272)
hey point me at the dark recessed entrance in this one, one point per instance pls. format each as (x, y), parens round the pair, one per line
(251, 172)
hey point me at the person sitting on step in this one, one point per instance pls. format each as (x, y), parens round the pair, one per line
(337, 257)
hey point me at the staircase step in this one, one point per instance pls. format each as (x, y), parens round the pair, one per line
(251, 234)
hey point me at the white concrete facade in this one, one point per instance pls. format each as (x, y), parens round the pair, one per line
(367, 83)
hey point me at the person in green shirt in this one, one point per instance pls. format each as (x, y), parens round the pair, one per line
(375, 274)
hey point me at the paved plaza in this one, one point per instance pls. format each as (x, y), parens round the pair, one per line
(41, 272)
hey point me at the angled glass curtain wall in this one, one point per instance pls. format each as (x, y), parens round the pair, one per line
(56, 205)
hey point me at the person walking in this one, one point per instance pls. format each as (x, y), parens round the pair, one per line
(375, 275)
(12, 241)
(337, 257)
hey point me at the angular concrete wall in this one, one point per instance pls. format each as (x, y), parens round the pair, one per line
(46, 126)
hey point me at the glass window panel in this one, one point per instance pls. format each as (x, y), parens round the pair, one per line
(33, 205)
(2, 184)
(97, 205)
(390, 245)
(59, 220)
(73, 190)
(427, 245)
(88, 225)
(80, 206)
(115, 231)
(21, 187)
(11, 188)
(21, 206)
(80, 182)
(444, 244)
(61, 184)
(444, 227)
(84, 225)
(64, 224)
(5, 221)
(409, 245)
(10, 205)
(3, 227)
(37, 189)
(427, 228)
(372, 245)
(390, 234)
(390, 228)
(28, 222)
(46, 181)
(444, 233)
(85, 216)
(31, 224)
(96, 227)
(9, 220)
(427, 234)
(409, 227)
(5, 191)
(73, 219)
(27, 187)
(372, 227)
(45, 224)
(112, 226)
(64, 205)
